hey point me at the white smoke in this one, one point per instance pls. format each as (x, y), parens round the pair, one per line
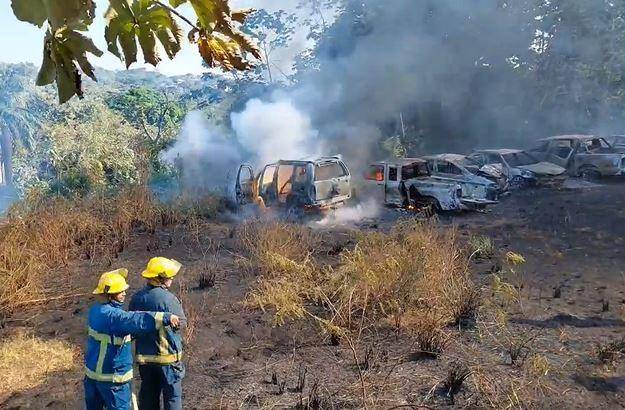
(273, 130)
(264, 132)
(352, 214)
(207, 155)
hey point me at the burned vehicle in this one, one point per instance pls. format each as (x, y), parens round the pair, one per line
(453, 168)
(519, 168)
(295, 185)
(617, 141)
(408, 183)
(588, 156)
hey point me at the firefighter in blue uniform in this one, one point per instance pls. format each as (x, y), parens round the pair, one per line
(159, 353)
(108, 358)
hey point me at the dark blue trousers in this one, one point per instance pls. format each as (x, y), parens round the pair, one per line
(157, 380)
(109, 396)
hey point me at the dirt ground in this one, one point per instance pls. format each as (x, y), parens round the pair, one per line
(572, 284)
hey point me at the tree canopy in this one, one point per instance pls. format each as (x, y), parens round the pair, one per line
(131, 24)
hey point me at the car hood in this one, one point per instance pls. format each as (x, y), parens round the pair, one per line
(494, 170)
(544, 168)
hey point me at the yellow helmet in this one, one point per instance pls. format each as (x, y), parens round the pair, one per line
(161, 267)
(112, 282)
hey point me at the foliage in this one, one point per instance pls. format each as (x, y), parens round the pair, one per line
(272, 31)
(92, 149)
(219, 41)
(157, 114)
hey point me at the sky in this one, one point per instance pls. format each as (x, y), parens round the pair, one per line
(23, 42)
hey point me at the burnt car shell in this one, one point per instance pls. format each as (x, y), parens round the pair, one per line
(312, 184)
(588, 156)
(407, 182)
(519, 167)
(451, 167)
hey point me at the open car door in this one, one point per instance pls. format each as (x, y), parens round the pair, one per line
(245, 185)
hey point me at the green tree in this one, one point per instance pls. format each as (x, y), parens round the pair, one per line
(157, 114)
(92, 149)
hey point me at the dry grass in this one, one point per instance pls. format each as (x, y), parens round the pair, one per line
(45, 234)
(26, 361)
(415, 270)
(481, 246)
(611, 352)
(280, 254)
(413, 273)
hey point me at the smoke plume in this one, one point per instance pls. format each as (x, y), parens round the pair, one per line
(275, 129)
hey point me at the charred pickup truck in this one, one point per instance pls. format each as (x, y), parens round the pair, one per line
(519, 168)
(588, 156)
(452, 168)
(408, 183)
(295, 185)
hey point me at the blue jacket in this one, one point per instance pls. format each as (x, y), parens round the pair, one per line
(165, 345)
(109, 350)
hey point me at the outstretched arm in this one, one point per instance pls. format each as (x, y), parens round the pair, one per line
(134, 323)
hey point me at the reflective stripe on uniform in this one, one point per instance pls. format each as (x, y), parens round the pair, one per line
(103, 337)
(158, 318)
(159, 359)
(113, 378)
(105, 340)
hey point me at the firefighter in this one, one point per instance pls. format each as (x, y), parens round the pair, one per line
(108, 358)
(159, 353)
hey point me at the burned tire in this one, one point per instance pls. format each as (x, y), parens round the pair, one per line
(428, 205)
(589, 174)
(518, 182)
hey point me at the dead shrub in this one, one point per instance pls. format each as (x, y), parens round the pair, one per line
(611, 352)
(429, 335)
(481, 247)
(45, 234)
(456, 376)
(26, 361)
(259, 240)
(416, 270)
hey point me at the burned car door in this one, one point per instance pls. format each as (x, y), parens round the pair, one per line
(560, 152)
(267, 189)
(331, 180)
(285, 182)
(244, 189)
(377, 188)
(392, 193)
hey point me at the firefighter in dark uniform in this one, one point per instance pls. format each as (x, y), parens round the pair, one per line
(159, 353)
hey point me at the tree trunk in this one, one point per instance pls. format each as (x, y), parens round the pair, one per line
(6, 160)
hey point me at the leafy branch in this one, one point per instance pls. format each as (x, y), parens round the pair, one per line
(132, 24)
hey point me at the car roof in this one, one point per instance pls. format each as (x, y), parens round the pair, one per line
(570, 137)
(402, 161)
(502, 151)
(447, 157)
(311, 159)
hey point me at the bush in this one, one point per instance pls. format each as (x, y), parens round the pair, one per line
(481, 247)
(44, 234)
(415, 271)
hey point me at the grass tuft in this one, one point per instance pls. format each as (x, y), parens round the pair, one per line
(26, 361)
